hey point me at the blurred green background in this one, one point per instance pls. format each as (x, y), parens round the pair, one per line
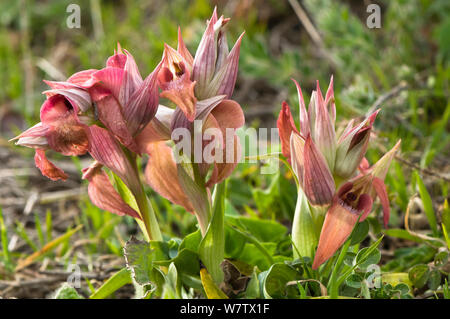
(404, 66)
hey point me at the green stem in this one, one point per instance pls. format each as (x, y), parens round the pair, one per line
(304, 235)
(203, 215)
(148, 216)
(149, 224)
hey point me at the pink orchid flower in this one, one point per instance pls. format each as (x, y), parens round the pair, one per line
(167, 177)
(115, 97)
(353, 200)
(213, 71)
(125, 103)
(314, 151)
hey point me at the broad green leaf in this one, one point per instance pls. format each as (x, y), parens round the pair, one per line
(172, 284)
(360, 232)
(403, 234)
(354, 280)
(212, 246)
(276, 282)
(191, 241)
(396, 278)
(434, 279)
(263, 230)
(116, 281)
(419, 275)
(253, 287)
(67, 292)
(427, 204)
(139, 257)
(365, 258)
(187, 262)
(234, 242)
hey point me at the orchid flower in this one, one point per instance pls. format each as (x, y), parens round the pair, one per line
(185, 79)
(322, 161)
(100, 112)
(189, 185)
(125, 103)
(201, 88)
(354, 200)
(315, 153)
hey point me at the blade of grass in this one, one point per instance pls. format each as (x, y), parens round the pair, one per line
(20, 230)
(39, 231)
(47, 248)
(427, 204)
(118, 280)
(4, 238)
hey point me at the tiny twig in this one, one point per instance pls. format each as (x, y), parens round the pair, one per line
(311, 30)
(426, 238)
(422, 170)
(387, 96)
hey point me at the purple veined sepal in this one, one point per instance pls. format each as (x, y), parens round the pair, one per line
(352, 147)
(106, 150)
(214, 68)
(311, 170)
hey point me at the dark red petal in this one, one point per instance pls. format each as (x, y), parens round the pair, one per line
(286, 126)
(380, 189)
(65, 134)
(318, 183)
(364, 206)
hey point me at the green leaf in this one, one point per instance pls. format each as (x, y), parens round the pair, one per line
(276, 280)
(234, 242)
(118, 280)
(434, 279)
(253, 287)
(191, 241)
(419, 275)
(172, 284)
(427, 204)
(187, 262)
(360, 232)
(67, 292)
(403, 234)
(446, 215)
(263, 230)
(212, 246)
(354, 281)
(365, 258)
(139, 258)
